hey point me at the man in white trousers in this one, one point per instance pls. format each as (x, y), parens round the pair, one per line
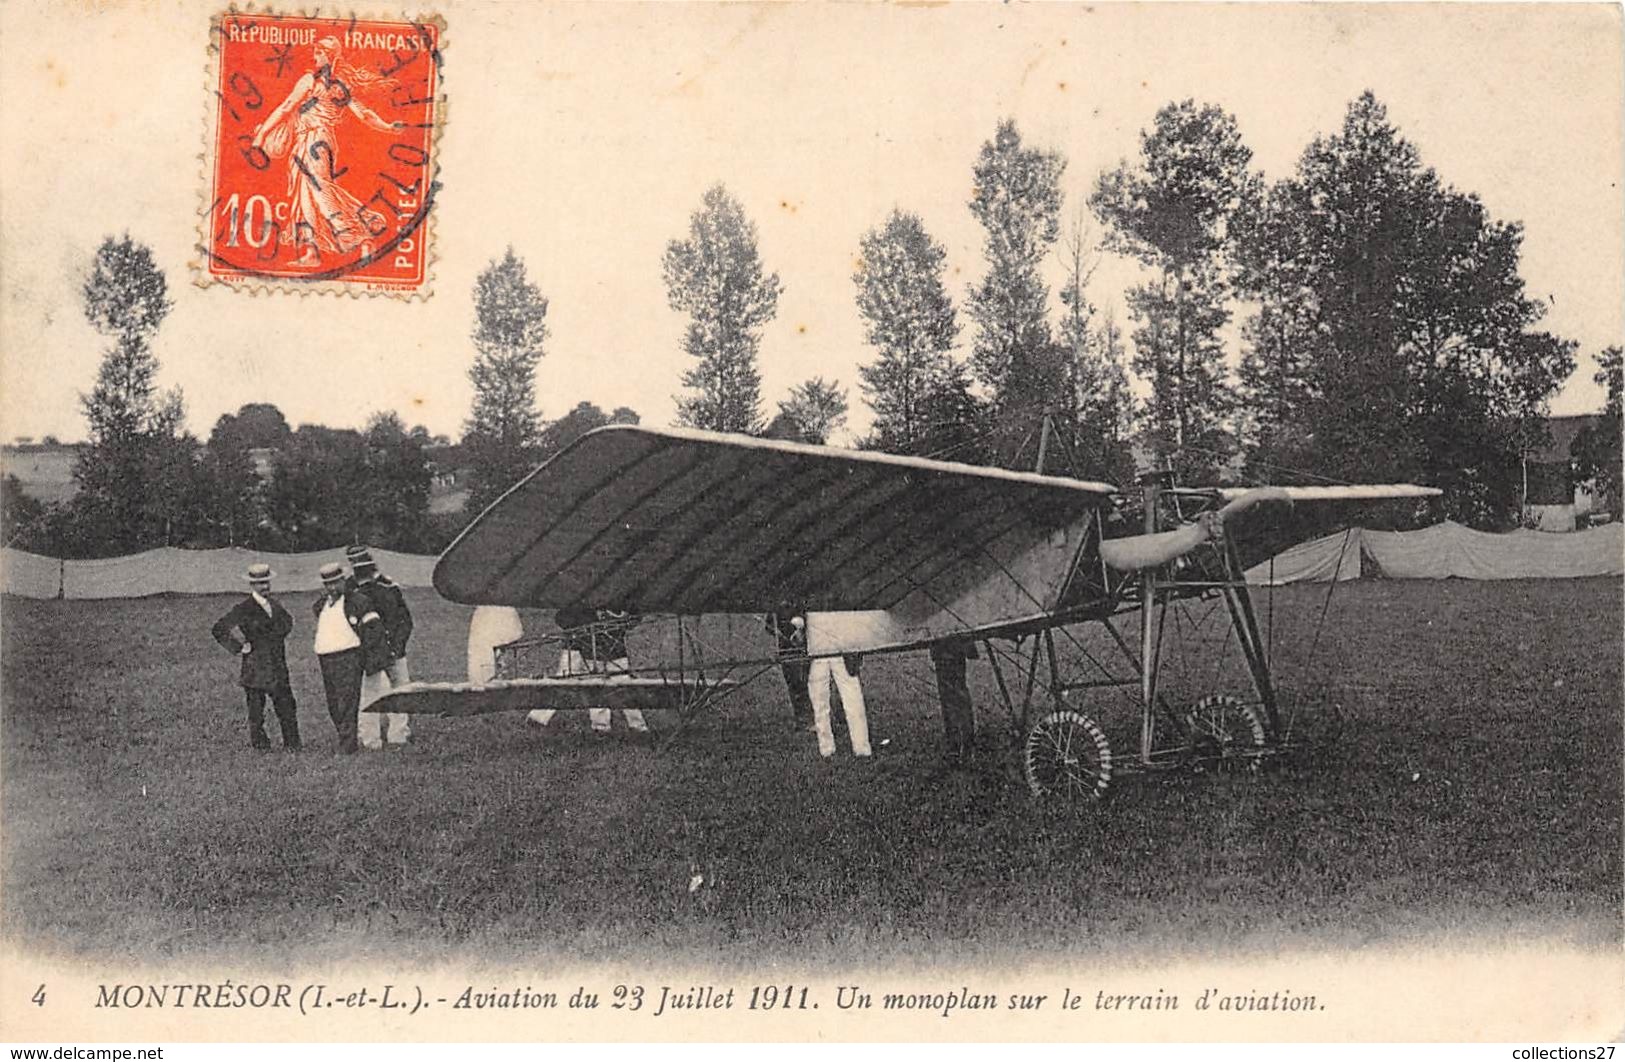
(842, 671)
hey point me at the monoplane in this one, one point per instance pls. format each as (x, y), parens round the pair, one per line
(887, 554)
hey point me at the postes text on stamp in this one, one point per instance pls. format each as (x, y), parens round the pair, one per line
(322, 159)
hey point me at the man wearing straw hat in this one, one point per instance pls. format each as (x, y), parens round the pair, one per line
(387, 598)
(349, 642)
(255, 630)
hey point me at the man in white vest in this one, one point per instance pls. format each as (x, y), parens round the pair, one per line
(350, 645)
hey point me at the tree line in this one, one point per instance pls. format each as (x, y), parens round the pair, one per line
(1374, 316)
(144, 481)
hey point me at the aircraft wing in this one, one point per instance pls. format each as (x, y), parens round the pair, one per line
(694, 522)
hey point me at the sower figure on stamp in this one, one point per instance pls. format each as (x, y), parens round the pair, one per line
(349, 643)
(387, 598)
(323, 217)
(263, 626)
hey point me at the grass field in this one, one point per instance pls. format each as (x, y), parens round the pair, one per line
(1473, 787)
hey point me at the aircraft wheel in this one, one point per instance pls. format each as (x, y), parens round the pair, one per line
(1226, 735)
(1066, 755)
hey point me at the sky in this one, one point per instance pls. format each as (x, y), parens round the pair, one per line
(584, 136)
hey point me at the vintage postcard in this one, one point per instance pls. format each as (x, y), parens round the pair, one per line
(545, 522)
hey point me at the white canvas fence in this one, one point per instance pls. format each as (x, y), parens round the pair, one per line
(1449, 551)
(184, 571)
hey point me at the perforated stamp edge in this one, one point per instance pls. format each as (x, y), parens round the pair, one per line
(424, 230)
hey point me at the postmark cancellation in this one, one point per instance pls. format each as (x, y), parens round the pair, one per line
(321, 159)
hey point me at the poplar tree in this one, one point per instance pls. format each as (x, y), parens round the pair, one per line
(504, 428)
(1171, 209)
(715, 276)
(132, 475)
(909, 319)
(1097, 410)
(1597, 449)
(1017, 198)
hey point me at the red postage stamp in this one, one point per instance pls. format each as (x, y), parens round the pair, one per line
(322, 153)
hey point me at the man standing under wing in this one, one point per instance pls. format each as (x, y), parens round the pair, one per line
(594, 643)
(841, 672)
(489, 627)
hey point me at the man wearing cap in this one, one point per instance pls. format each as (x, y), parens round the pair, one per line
(387, 598)
(350, 643)
(255, 630)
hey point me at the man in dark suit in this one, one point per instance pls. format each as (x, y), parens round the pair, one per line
(387, 598)
(350, 644)
(255, 630)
